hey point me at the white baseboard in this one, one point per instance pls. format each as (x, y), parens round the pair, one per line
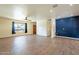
(68, 37)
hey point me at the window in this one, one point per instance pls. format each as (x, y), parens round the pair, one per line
(20, 27)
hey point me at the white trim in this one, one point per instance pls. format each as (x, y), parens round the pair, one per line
(68, 37)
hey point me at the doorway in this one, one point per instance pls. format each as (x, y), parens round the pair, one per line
(34, 27)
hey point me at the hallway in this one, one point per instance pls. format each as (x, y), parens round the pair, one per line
(37, 45)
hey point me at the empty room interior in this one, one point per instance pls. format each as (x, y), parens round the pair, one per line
(39, 29)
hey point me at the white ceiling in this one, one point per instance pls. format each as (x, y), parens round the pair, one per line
(66, 10)
(18, 11)
(34, 11)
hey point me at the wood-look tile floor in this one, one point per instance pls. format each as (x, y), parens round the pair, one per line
(37, 45)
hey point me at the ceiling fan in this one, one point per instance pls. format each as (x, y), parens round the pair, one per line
(55, 5)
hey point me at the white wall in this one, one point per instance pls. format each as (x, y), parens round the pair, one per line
(46, 27)
(42, 27)
(6, 28)
(49, 27)
(53, 27)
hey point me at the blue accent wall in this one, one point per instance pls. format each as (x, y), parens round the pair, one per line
(68, 27)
